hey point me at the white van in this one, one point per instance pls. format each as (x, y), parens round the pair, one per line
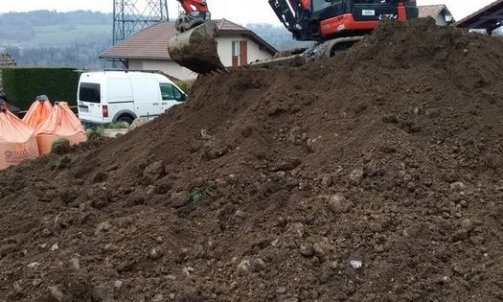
(121, 96)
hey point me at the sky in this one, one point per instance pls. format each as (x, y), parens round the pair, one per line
(241, 11)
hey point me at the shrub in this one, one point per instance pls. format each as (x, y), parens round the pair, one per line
(186, 86)
(61, 146)
(23, 84)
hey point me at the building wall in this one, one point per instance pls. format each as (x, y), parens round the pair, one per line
(254, 51)
(224, 49)
(498, 32)
(168, 67)
(440, 20)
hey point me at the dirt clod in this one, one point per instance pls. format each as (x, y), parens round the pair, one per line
(55, 294)
(372, 176)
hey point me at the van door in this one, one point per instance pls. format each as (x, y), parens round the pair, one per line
(89, 102)
(146, 98)
(119, 97)
(170, 95)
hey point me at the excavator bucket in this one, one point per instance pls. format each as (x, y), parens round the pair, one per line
(196, 49)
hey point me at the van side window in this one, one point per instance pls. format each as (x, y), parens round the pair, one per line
(169, 92)
(90, 92)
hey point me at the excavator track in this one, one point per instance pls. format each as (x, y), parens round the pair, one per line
(319, 51)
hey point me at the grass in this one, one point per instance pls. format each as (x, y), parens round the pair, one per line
(186, 85)
(199, 194)
(60, 146)
(94, 133)
(99, 131)
(117, 125)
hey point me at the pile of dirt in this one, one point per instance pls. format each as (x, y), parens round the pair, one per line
(374, 176)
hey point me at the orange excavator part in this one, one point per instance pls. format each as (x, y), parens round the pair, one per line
(17, 140)
(62, 123)
(37, 114)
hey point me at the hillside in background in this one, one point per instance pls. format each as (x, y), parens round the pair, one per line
(50, 28)
(50, 38)
(77, 38)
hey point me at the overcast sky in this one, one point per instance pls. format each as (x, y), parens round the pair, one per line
(240, 11)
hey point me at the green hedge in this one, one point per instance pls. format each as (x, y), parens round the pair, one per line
(186, 85)
(23, 84)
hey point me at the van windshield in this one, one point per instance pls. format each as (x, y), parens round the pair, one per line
(90, 92)
(371, 1)
(170, 92)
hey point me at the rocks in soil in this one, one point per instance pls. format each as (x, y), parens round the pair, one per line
(306, 249)
(154, 171)
(103, 227)
(214, 148)
(56, 294)
(356, 176)
(179, 199)
(387, 156)
(8, 248)
(356, 264)
(338, 204)
(258, 265)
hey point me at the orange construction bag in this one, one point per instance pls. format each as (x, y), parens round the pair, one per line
(17, 140)
(61, 123)
(39, 111)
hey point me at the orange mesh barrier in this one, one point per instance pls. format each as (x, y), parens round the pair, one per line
(39, 111)
(61, 123)
(17, 140)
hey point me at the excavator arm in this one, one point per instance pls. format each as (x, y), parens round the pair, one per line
(335, 25)
(295, 15)
(194, 46)
(195, 13)
(190, 6)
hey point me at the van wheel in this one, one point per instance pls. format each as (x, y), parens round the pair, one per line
(126, 119)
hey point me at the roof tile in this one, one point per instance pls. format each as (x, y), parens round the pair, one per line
(151, 43)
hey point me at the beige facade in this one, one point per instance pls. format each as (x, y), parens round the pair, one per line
(254, 52)
(166, 66)
(147, 49)
(225, 50)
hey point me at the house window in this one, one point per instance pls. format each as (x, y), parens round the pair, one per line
(239, 53)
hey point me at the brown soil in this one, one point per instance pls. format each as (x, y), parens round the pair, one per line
(375, 176)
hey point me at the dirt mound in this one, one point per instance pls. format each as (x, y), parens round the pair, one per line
(371, 177)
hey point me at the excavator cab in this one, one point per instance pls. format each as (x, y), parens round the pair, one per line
(336, 25)
(323, 20)
(358, 17)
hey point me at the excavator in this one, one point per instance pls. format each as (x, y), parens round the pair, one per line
(334, 26)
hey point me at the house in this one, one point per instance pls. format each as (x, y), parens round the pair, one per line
(440, 13)
(6, 60)
(486, 20)
(147, 49)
